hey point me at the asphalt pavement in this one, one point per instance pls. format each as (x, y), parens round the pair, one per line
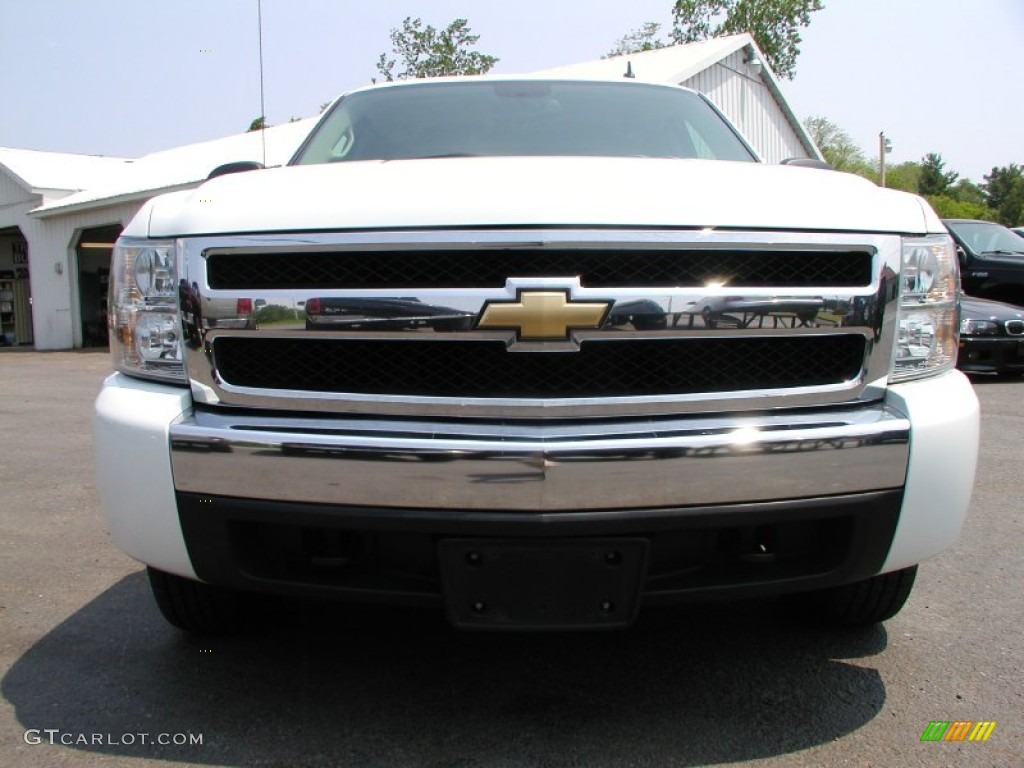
(91, 675)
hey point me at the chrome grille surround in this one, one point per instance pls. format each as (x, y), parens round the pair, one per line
(1014, 327)
(713, 311)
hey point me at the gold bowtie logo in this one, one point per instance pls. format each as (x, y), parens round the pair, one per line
(543, 315)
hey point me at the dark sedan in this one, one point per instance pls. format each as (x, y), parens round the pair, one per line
(991, 260)
(991, 337)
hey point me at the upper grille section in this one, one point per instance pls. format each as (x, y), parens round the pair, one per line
(596, 268)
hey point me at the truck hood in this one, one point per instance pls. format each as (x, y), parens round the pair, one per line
(534, 191)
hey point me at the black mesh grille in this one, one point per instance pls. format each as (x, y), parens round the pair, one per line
(490, 268)
(487, 369)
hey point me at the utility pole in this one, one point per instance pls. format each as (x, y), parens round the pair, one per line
(884, 148)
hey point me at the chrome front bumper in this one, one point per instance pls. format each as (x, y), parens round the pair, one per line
(546, 467)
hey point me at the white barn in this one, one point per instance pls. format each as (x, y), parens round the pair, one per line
(29, 180)
(60, 214)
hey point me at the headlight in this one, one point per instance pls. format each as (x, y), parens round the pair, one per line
(145, 326)
(926, 341)
(970, 327)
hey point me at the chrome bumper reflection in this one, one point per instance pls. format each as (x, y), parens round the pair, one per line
(649, 463)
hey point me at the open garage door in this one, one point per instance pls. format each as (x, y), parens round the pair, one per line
(93, 250)
(15, 295)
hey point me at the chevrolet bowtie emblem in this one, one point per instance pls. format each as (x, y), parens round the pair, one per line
(543, 315)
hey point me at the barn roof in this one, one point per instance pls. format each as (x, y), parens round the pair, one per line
(672, 64)
(679, 63)
(40, 172)
(181, 167)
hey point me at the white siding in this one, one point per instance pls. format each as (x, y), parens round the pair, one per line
(55, 311)
(52, 263)
(750, 104)
(53, 271)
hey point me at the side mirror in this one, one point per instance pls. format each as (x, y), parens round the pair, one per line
(961, 256)
(238, 167)
(808, 162)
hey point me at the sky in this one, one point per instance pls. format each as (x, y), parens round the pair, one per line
(128, 77)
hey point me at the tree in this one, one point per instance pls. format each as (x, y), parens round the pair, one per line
(425, 52)
(933, 179)
(774, 24)
(258, 124)
(835, 144)
(950, 208)
(644, 38)
(902, 176)
(1004, 192)
(1000, 199)
(966, 191)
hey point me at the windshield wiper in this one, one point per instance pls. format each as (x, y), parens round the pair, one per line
(1003, 252)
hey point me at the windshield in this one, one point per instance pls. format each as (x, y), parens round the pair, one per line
(521, 118)
(986, 237)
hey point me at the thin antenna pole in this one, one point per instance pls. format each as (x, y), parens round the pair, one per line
(263, 110)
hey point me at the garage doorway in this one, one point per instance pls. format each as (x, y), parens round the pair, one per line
(93, 251)
(15, 294)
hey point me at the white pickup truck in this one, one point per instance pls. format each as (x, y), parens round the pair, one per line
(471, 368)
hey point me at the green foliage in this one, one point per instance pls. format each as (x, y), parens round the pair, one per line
(933, 179)
(774, 24)
(258, 124)
(866, 170)
(644, 38)
(950, 208)
(274, 313)
(904, 176)
(1001, 182)
(1004, 191)
(1001, 198)
(835, 144)
(966, 191)
(426, 52)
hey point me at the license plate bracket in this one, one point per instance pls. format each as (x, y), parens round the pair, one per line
(526, 584)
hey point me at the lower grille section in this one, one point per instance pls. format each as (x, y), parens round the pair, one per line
(392, 554)
(482, 369)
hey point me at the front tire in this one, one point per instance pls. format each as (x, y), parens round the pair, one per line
(195, 607)
(863, 602)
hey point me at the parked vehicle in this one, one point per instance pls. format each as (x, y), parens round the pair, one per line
(345, 314)
(533, 427)
(745, 312)
(991, 337)
(991, 260)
